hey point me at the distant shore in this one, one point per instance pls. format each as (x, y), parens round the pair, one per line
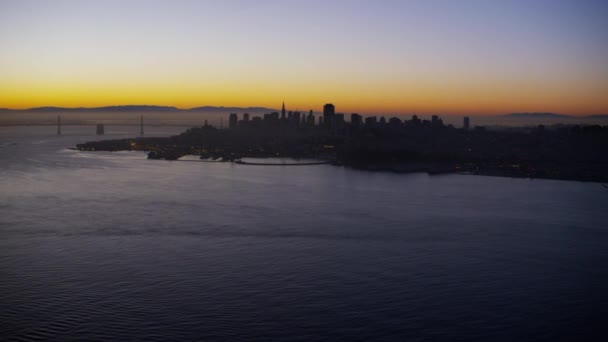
(562, 152)
(282, 164)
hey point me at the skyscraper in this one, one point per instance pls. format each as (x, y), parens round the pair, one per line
(328, 114)
(310, 119)
(233, 120)
(356, 120)
(283, 111)
(296, 117)
(370, 121)
(434, 120)
(338, 120)
(466, 123)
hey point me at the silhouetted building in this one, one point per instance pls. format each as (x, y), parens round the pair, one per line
(283, 111)
(356, 120)
(100, 129)
(435, 120)
(328, 114)
(382, 121)
(246, 117)
(310, 119)
(338, 121)
(466, 124)
(415, 121)
(370, 121)
(233, 120)
(296, 117)
(141, 125)
(58, 125)
(271, 119)
(256, 121)
(394, 122)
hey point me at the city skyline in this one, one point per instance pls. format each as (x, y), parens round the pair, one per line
(469, 58)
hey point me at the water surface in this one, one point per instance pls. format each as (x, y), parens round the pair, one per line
(112, 246)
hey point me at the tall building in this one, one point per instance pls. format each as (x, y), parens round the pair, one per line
(338, 120)
(246, 117)
(58, 125)
(434, 120)
(394, 122)
(328, 114)
(100, 129)
(296, 117)
(370, 121)
(466, 123)
(283, 111)
(415, 121)
(233, 120)
(356, 120)
(310, 119)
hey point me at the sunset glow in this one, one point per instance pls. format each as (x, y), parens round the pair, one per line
(451, 57)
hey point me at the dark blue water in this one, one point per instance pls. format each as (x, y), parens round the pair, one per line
(111, 246)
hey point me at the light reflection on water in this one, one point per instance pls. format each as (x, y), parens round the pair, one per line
(114, 246)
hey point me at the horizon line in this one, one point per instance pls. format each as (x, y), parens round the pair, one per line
(314, 111)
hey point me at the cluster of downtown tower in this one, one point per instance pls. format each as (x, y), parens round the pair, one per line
(560, 152)
(330, 120)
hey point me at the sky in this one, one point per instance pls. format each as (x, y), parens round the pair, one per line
(400, 57)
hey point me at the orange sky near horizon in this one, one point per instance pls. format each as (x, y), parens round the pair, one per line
(382, 57)
(470, 99)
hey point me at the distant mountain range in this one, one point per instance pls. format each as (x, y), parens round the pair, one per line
(537, 115)
(552, 116)
(215, 109)
(138, 108)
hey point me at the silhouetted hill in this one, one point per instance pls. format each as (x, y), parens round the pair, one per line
(127, 108)
(232, 109)
(139, 108)
(536, 115)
